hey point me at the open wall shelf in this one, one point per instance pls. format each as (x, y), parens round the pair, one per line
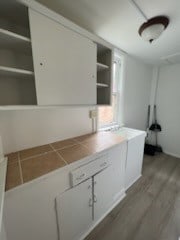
(14, 41)
(104, 74)
(101, 67)
(17, 83)
(7, 36)
(102, 85)
(14, 72)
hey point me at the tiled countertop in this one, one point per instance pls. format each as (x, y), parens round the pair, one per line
(29, 164)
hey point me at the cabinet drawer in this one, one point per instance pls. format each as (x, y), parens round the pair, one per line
(86, 171)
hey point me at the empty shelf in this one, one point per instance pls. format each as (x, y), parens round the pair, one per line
(11, 40)
(14, 72)
(102, 85)
(101, 66)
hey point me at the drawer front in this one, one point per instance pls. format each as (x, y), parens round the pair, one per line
(86, 171)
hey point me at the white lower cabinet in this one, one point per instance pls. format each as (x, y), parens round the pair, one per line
(108, 185)
(80, 208)
(74, 211)
(106, 190)
(52, 208)
(134, 159)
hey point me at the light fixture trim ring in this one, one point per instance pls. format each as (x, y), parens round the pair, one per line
(155, 20)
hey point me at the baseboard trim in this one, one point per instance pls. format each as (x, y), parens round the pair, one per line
(122, 196)
(133, 182)
(171, 154)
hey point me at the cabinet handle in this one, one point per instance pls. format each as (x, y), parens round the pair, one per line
(94, 198)
(103, 164)
(81, 176)
(90, 202)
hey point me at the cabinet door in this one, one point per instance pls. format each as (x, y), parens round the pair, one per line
(64, 63)
(134, 160)
(74, 211)
(109, 184)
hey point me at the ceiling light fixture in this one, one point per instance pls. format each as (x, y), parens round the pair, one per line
(153, 28)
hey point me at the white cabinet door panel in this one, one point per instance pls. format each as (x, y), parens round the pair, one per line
(134, 160)
(109, 184)
(64, 63)
(74, 211)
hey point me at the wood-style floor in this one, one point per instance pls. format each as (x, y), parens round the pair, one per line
(151, 209)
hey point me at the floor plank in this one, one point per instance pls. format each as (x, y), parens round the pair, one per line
(151, 209)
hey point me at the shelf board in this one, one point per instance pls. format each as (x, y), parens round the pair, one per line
(14, 72)
(18, 107)
(11, 40)
(35, 107)
(102, 85)
(101, 67)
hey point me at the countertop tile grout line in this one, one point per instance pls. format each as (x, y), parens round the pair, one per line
(37, 155)
(20, 168)
(53, 149)
(81, 143)
(56, 151)
(76, 142)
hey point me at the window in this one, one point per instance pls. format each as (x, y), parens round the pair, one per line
(108, 115)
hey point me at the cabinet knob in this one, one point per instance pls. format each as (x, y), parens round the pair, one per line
(41, 64)
(103, 164)
(90, 202)
(94, 198)
(81, 176)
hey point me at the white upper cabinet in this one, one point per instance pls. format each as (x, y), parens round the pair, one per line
(64, 63)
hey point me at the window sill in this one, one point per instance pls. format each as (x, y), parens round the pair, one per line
(112, 127)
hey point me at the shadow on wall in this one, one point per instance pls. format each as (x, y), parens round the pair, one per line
(28, 128)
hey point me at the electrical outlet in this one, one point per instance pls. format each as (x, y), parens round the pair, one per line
(92, 114)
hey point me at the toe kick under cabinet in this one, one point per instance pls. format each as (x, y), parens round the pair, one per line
(69, 203)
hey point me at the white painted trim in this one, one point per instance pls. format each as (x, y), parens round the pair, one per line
(36, 107)
(137, 7)
(66, 23)
(135, 180)
(171, 154)
(3, 170)
(122, 196)
(170, 56)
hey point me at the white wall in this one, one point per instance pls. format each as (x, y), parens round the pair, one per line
(168, 110)
(28, 128)
(136, 90)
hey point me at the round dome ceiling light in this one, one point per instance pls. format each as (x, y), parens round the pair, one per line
(153, 28)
